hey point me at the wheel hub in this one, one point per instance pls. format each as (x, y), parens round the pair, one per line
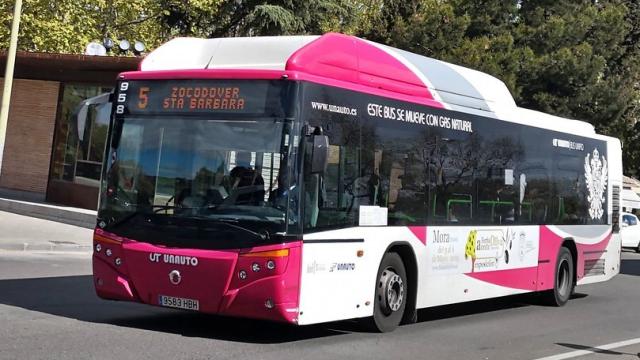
(390, 291)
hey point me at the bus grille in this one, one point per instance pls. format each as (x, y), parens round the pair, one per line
(594, 267)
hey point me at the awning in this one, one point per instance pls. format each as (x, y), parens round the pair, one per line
(630, 199)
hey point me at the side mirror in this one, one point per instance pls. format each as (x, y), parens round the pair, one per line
(319, 154)
(103, 107)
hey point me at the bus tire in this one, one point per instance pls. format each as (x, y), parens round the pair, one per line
(563, 284)
(390, 294)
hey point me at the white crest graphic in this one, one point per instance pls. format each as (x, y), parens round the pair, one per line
(595, 174)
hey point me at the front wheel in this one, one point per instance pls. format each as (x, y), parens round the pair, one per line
(390, 294)
(563, 283)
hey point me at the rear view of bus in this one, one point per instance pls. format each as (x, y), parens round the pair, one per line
(310, 179)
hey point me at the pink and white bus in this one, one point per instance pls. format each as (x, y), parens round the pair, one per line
(307, 179)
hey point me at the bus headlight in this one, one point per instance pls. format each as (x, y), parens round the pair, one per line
(242, 275)
(255, 267)
(108, 252)
(98, 247)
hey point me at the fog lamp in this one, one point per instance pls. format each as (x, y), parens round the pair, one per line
(268, 304)
(271, 264)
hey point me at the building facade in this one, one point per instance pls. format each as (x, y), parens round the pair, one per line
(43, 158)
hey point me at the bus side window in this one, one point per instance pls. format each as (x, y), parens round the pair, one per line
(450, 179)
(569, 202)
(407, 188)
(498, 199)
(332, 198)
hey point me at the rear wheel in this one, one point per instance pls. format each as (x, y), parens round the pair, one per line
(563, 283)
(390, 294)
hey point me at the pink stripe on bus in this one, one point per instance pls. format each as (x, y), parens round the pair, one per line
(542, 277)
(349, 59)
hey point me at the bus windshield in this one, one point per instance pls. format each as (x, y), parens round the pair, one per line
(197, 182)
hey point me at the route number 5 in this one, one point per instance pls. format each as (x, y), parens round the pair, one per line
(143, 98)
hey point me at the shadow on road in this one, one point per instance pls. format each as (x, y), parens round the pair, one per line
(74, 297)
(485, 306)
(630, 267)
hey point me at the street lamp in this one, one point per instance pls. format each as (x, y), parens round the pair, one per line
(124, 46)
(8, 76)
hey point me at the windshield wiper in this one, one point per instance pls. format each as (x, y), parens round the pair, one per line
(158, 208)
(113, 222)
(225, 222)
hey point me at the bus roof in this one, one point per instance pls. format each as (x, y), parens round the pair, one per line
(351, 59)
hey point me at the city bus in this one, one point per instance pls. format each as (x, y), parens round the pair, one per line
(309, 179)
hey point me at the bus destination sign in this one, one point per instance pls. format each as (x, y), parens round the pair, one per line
(192, 96)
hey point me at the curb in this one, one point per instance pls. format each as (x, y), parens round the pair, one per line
(46, 247)
(85, 219)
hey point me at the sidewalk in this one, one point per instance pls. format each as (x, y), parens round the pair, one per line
(24, 233)
(67, 215)
(28, 224)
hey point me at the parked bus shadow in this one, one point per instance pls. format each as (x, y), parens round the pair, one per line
(485, 306)
(74, 297)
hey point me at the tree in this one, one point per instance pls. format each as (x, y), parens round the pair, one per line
(69, 25)
(458, 31)
(258, 17)
(574, 47)
(628, 65)
(584, 65)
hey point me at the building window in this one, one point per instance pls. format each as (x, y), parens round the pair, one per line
(74, 160)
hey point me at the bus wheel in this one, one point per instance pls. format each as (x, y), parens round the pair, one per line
(390, 295)
(563, 283)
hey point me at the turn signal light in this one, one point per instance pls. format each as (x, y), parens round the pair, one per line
(270, 253)
(104, 239)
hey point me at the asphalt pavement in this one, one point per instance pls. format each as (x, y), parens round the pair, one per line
(49, 310)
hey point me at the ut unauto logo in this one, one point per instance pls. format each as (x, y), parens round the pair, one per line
(342, 267)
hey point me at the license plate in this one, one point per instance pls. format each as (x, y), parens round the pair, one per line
(179, 303)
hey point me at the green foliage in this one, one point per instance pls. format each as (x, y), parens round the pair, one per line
(260, 17)
(584, 65)
(68, 25)
(473, 34)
